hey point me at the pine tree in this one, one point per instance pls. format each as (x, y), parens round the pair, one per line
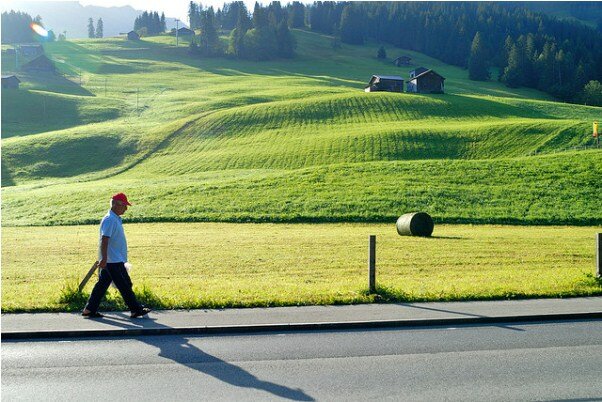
(15, 27)
(478, 68)
(208, 39)
(193, 15)
(514, 71)
(237, 36)
(91, 30)
(99, 28)
(592, 93)
(352, 27)
(382, 53)
(297, 15)
(285, 41)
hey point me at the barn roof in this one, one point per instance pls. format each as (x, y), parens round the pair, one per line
(426, 73)
(39, 63)
(6, 77)
(389, 77)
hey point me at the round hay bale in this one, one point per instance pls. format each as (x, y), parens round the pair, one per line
(415, 224)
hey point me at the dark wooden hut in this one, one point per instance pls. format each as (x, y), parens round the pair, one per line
(10, 82)
(417, 72)
(388, 83)
(133, 35)
(402, 61)
(427, 82)
(185, 31)
(30, 50)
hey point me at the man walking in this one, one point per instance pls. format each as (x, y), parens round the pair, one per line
(112, 256)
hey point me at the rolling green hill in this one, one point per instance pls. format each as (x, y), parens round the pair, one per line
(291, 140)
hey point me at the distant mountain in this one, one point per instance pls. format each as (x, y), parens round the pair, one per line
(72, 17)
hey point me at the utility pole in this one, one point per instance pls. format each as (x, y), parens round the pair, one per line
(177, 27)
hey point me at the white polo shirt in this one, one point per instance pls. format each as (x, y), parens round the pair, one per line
(111, 226)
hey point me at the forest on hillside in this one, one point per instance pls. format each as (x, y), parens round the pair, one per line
(525, 48)
(529, 49)
(505, 41)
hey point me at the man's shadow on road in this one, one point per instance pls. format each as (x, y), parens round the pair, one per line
(181, 351)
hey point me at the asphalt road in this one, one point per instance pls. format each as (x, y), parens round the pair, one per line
(544, 361)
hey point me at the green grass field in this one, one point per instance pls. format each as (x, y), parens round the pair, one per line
(210, 265)
(288, 141)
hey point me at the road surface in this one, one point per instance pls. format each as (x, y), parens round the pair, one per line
(542, 361)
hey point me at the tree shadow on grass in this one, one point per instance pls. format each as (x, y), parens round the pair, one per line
(7, 179)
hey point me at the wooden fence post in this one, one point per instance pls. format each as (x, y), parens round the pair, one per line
(372, 264)
(599, 255)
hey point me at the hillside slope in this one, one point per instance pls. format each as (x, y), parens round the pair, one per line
(221, 139)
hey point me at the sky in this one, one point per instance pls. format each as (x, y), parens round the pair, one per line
(172, 8)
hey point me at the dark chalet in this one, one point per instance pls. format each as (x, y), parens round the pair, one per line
(426, 82)
(388, 83)
(10, 82)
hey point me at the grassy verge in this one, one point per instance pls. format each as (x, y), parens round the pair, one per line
(209, 265)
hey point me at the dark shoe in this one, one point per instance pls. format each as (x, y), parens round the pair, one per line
(92, 314)
(140, 313)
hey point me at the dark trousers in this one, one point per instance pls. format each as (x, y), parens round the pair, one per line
(113, 272)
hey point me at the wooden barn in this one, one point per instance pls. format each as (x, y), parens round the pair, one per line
(417, 71)
(427, 82)
(133, 35)
(388, 83)
(402, 61)
(39, 64)
(185, 31)
(30, 50)
(10, 82)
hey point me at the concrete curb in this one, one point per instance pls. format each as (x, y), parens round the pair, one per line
(286, 327)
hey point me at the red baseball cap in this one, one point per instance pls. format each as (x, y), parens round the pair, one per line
(121, 197)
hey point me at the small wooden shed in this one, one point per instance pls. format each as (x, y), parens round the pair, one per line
(185, 31)
(427, 82)
(30, 50)
(417, 72)
(10, 82)
(133, 35)
(402, 61)
(388, 83)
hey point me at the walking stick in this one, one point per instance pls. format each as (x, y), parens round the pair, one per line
(87, 277)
